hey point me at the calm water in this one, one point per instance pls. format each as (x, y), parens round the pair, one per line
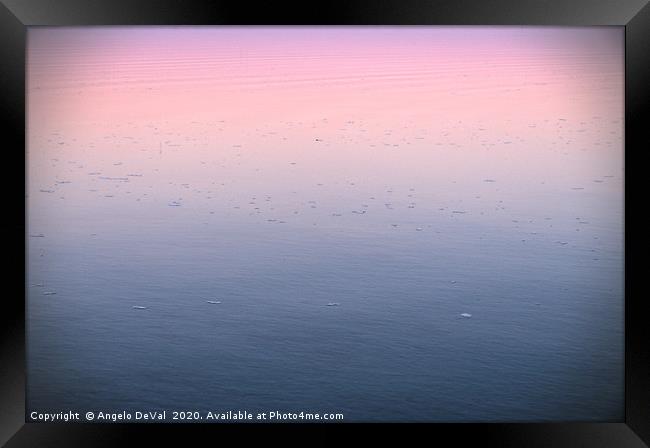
(416, 224)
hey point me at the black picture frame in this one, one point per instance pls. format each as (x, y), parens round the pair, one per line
(17, 15)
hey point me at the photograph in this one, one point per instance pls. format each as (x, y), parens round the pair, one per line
(324, 224)
(324, 221)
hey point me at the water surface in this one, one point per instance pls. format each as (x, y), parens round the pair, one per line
(454, 194)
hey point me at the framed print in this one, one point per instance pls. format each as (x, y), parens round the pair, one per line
(340, 215)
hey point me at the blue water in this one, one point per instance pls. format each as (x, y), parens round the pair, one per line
(544, 341)
(475, 257)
